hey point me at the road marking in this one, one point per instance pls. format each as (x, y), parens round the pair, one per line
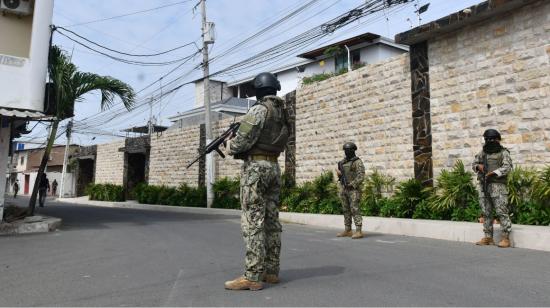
(390, 242)
(173, 291)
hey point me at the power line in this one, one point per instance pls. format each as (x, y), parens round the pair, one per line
(127, 61)
(125, 53)
(128, 14)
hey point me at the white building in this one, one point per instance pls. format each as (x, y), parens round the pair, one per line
(367, 48)
(24, 43)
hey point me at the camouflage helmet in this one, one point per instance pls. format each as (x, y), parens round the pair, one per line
(266, 80)
(491, 134)
(350, 146)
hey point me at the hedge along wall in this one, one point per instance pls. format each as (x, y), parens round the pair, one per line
(110, 163)
(370, 106)
(171, 151)
(504, 62)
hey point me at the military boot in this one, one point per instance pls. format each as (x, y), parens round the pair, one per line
(504, 241)
(357, 234)
(242, 283)
(345, 233)
(486, 241)
(270, 278)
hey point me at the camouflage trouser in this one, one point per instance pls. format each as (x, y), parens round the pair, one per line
(350, 204)
(260, 188)
(499, 196)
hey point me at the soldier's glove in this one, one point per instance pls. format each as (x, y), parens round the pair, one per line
(226, 146)
(490, 174)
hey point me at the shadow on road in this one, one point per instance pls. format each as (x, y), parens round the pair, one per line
(305, 273)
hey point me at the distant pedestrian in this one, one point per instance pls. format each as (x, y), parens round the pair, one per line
(351, 173)
(15, 188)
(43, 189)
(492, 165)
(54, 187)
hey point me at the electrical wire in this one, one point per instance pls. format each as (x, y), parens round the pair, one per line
(128, 14)
(58, 28)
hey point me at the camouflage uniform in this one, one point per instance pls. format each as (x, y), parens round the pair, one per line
(500, 163)
(354, 171)
(260, 186)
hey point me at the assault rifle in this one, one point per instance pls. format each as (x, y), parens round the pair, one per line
(484, 182)
(342, 178)
(215, 144)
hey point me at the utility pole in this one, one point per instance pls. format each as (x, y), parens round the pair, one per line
(210, 159)
(150, 124)
(65, 158)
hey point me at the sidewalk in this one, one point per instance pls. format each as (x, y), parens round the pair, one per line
(522, 236)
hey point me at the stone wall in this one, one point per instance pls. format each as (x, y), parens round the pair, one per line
(170, 153)
(110, 163)
(370, 106)
(493, 75)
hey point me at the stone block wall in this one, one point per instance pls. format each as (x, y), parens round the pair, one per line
(495, 74)
(110, 163)
(370, 106)
(170, 153)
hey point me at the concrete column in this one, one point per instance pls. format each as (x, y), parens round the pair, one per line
(4, 152)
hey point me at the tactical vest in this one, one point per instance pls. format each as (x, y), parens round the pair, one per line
(274, 135)
(349, 169)
(494, 161)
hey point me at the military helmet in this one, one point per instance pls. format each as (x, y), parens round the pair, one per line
(266, 80)
(491, 134)
(350, 145)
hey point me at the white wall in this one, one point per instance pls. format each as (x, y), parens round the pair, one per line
(70, 183)
(216, 92)
(22, 79)
(4, 148)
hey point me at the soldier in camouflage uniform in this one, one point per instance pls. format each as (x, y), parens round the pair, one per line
(493, 164)
(261, 137)
(351, 173)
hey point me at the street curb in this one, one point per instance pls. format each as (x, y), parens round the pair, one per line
(31, 224)
(522, 236)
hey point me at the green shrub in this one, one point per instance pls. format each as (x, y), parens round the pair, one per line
(226, 193)
(408, 195)
(191, 196)
(521, 184)
(541, 187)
(316, 78)
(454, 189)
(164, 195)
(375, 184)
(105, 192)
(390, 207)
(531, 213)
(319, 196)
(470, 213)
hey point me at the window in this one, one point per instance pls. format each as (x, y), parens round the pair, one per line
(341, 61)
(22, 161)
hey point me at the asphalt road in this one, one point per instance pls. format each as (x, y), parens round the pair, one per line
(126, 257)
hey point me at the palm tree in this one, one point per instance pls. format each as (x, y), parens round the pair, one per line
(69, 86)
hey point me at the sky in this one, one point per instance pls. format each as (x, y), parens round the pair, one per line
(178, 23)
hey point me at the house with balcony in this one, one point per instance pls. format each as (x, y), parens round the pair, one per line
(233, 98)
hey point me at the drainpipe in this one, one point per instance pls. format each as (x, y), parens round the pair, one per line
(349, 58)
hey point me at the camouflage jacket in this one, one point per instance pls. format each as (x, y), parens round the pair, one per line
(504, 168)
(250, 128)
(354, 172)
